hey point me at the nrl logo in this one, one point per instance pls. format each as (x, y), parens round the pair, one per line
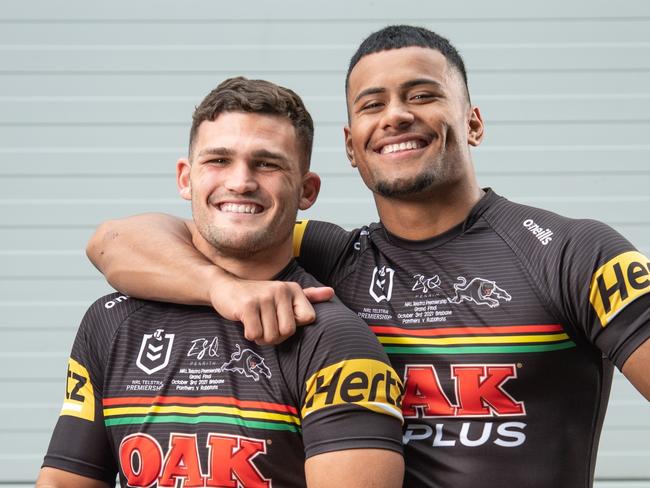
(155, 351)
(248, 363)
(381, 286)
(479, 291)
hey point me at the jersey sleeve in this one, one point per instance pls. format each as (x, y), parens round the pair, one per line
(349, 394)
(79, 443)
(321, 247)
(607, 290)
(589, 276)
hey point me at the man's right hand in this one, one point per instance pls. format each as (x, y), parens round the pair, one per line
(269, 310)
(154, 257)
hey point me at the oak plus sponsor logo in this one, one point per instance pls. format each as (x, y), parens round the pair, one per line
(542, 235)
(480, 393)
(424, 284)
(617, 283)
(381, 284)
(79, 395)
(155, 351)
(248, 363)
(367, 383)
(479, 291)
(231, 461)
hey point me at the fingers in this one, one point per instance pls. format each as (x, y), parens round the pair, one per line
(303, 311)
(268, 310)
(252, 322)
(319, 294)
(285, 315)
(269, 317)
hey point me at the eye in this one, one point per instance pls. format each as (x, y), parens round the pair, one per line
(267, 165)
(422, 96)
(216, 161)
(370, 106)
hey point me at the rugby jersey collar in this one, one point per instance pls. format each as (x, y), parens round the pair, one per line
(287, 271)
(475, 214)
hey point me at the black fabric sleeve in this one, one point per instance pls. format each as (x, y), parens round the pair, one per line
(320, 247)
(349, 394)
(606, 284)
(589, 276)
(79, 443)
(627, 331)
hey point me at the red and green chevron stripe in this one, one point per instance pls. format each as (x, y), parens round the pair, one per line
(505, 339)
(198, 410)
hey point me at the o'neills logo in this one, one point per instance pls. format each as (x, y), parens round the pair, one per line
(617, 283)
(542, 235)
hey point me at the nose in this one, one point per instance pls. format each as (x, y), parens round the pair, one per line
(397, 116)
(240, 178)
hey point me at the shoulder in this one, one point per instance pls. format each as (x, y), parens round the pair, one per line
(113, 309)
(324, 232)
(531, 228)
(341, 332)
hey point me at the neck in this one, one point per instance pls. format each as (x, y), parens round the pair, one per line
(261, 265)
(429, 215)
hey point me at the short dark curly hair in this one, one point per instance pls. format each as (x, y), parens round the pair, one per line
(261, 97)
(401, 36)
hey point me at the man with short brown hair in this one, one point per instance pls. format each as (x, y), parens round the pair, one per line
(171, 395)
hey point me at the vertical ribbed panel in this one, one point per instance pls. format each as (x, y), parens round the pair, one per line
(95, 104)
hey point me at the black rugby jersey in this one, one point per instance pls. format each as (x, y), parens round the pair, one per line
(503, 329)
(169, 394)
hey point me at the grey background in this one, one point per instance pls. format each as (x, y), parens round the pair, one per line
(95, 104)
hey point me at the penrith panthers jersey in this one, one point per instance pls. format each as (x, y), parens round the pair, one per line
(171, 395)
(504, 331)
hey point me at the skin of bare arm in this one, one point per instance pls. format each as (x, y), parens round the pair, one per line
(155, 257)
(637, 369)
(355, 468)
(57, 478)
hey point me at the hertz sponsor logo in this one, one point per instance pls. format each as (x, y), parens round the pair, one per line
(367, 383)
(79, 397)
(617, 283)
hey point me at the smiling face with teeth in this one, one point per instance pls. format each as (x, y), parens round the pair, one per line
(410, 124)
(246, 184)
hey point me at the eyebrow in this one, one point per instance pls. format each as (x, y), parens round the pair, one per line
(405, 85)
(216, 151)
(369, 91)
(224, 151)
(266, 154)
(421, 81)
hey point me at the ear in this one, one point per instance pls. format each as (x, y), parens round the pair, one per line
(475, 127)
(348, 145)
(310, 189)
(183, 168)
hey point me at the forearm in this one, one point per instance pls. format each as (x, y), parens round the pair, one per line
(160, 257)
(355, 468)
(637, 369)
(152, 256)
(57, 478)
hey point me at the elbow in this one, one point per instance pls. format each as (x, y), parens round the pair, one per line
(99, 244)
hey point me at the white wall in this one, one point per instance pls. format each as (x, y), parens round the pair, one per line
(95, 104)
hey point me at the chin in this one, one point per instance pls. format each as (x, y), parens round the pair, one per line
(402, 187)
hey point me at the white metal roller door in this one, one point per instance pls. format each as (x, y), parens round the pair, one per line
(95, 104)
